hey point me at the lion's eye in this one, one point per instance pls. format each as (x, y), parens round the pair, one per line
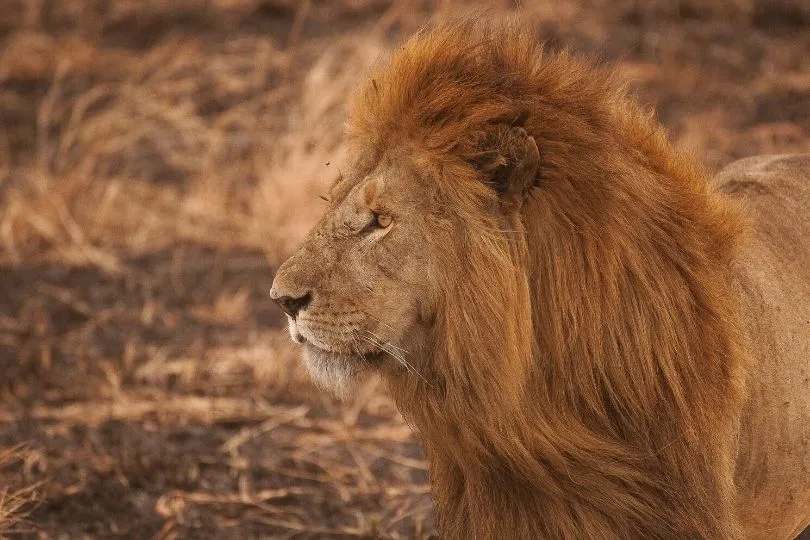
(378, 221)
(383, 220)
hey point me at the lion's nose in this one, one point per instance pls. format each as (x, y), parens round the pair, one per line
(290, 305)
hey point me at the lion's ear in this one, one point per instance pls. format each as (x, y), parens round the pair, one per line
(508, 158)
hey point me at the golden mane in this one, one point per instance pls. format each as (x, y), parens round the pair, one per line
(586, 376)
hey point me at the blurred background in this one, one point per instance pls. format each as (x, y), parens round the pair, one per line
(159, 159)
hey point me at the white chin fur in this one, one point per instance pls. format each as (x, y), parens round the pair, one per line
(295, 335)
(337, 374)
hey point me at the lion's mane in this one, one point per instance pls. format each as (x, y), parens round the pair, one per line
(586, 376)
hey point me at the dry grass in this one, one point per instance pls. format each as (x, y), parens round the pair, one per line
(17, 503)
(158, 160)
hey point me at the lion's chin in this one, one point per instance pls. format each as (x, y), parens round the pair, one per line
(336, 373)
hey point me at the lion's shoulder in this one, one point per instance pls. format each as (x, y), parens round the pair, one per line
(764, 174)
(774, 191)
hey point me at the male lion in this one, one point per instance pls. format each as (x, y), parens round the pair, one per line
(587, 335)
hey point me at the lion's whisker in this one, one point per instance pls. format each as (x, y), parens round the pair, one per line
(387, 347)
(407, 365)
(387, 326)
(380, 321)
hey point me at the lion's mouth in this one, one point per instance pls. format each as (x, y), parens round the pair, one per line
(324, 350)
(369, 357)
(297, 336)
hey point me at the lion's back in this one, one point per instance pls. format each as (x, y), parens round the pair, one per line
(773, 281)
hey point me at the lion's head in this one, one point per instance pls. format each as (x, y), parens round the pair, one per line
(358, 292)
(401, 235)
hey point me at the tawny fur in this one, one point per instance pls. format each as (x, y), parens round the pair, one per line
(586, 360)
(772, 281)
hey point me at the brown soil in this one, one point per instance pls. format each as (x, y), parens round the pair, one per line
(159, 159)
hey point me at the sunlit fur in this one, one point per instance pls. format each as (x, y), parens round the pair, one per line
(584, 374)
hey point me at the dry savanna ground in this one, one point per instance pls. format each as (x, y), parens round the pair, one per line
(159, 159)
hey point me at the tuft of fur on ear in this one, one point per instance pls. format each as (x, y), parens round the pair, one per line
(507, 158)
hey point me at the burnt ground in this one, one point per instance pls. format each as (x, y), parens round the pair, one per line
(158, 160)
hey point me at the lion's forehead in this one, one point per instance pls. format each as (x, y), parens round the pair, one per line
(394, 176)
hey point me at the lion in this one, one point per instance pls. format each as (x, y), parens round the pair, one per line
(590, 338)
